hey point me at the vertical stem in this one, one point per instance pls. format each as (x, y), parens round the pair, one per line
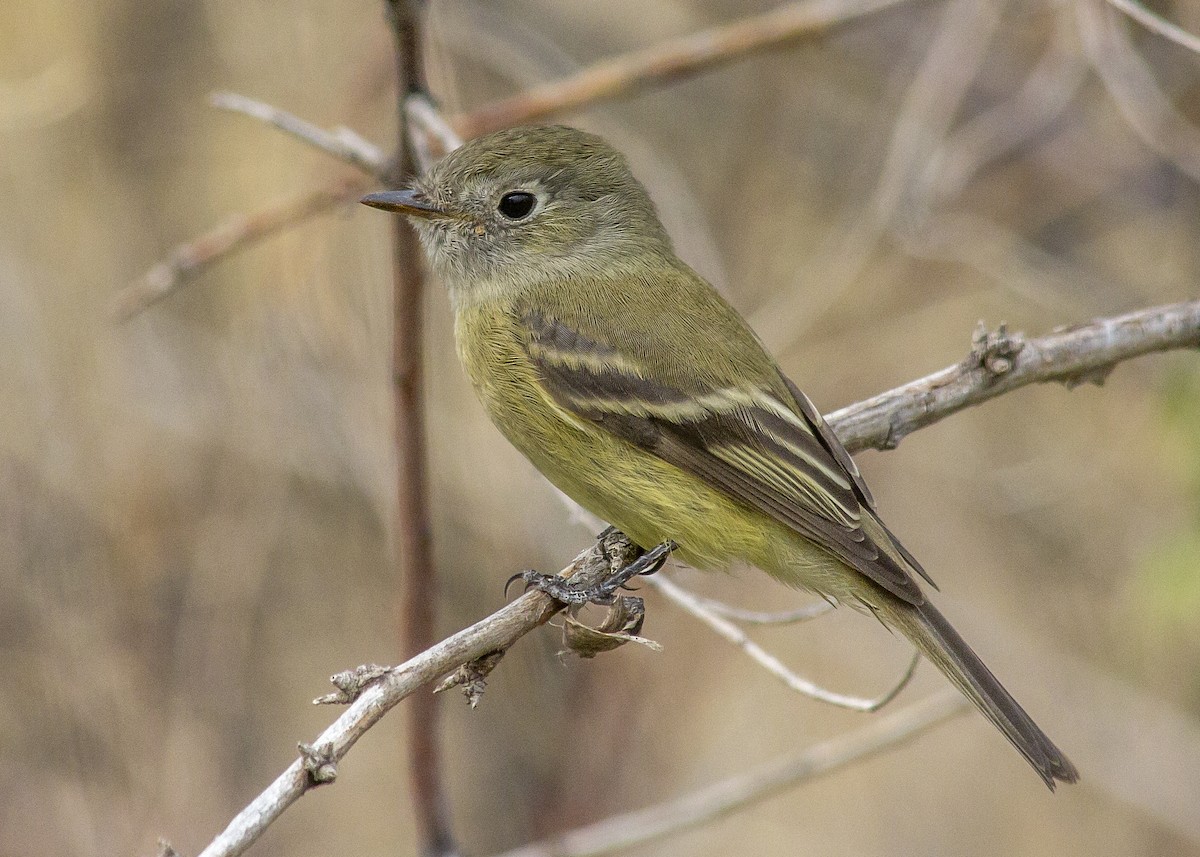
(413, 529)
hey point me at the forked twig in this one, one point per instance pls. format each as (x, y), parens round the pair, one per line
(1076, 353)
(739, 638)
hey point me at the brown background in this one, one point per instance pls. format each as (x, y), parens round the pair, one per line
(195, 506)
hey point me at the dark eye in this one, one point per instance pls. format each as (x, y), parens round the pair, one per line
(516, 204)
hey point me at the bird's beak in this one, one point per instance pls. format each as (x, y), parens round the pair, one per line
(403, 202)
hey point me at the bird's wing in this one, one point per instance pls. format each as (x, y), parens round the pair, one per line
(748, 441)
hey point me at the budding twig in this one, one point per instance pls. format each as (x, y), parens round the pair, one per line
(1073, 355)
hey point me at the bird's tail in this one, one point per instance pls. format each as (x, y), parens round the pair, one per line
(942, 645)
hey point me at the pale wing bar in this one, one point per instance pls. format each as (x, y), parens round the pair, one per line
(744, 442)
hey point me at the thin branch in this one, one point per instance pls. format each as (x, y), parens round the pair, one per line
(666, 62)
(1073, 355)
(187, 261)
(769, 662)
(413, 524)
(757, 617)
(496, 633)
(1156, 24)
(429, 133)
(725, 797)
(341, 142)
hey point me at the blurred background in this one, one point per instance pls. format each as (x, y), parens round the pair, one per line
(195, 505)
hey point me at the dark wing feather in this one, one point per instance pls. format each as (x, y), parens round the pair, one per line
(745, 441)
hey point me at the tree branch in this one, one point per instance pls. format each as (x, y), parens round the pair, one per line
(341, 142)
(694, 605)
(413, 525)
(666, 62)
(188, 261)
(721, 799)
(1000, 363)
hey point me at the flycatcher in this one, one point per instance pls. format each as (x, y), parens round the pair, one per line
(637, 390)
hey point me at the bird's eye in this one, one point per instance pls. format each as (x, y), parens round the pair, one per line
(516, 204)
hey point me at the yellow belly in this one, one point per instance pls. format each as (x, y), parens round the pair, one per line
(648, 499)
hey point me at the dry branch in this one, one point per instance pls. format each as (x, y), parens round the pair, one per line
(604, 81)
(1073, 355)
(341, 142)
(239, 231)
(665, 62)
(998, 365)
(721, 799)
(694, 605)
(415, 568)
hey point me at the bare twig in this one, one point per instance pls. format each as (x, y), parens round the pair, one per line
(341, 142)
(496, 633)
(769, 662)
(1076, 354)
(1073, 355)
(189, 260)
(667, 61)
(720, 799)
(757, 617)
(429, 133)
(414, 528)
(240, 231)
(1156, 24)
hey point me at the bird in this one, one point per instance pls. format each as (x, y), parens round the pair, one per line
(641, 393)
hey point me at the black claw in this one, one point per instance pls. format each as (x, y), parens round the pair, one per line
(520, 575)
(603, 592)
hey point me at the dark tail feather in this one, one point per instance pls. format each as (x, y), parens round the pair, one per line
(942, 645)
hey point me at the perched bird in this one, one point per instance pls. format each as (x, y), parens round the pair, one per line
(637, 390)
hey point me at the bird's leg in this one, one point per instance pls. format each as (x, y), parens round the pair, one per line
(604, 591)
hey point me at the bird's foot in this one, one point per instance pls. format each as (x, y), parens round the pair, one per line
(604, 591)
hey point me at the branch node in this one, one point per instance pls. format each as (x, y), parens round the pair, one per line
(895, 434)
(995, 351)
(320, 763)
(351, 683)
(472, 677)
